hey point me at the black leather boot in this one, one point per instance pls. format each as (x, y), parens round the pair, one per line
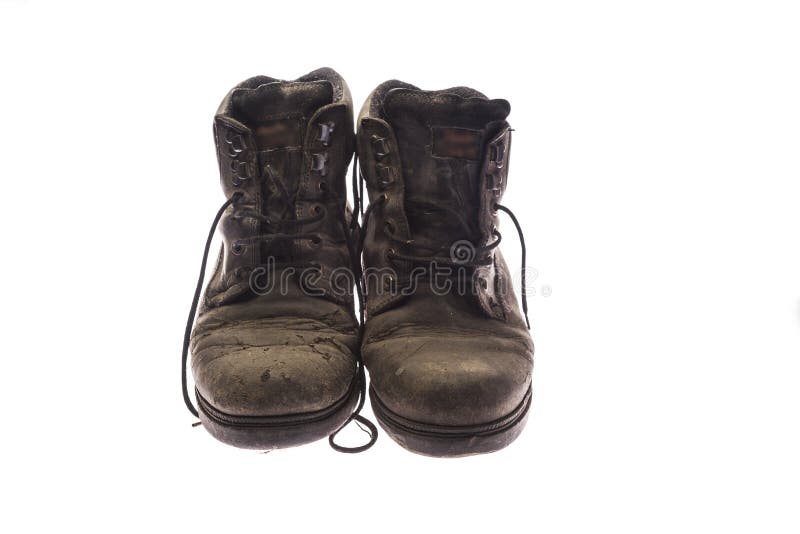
(275, 350)
(448, 351)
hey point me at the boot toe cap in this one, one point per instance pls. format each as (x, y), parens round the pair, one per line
(273, 380)
(448, 380)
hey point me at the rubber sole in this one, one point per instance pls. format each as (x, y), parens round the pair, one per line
(451, 441)
(276, 432)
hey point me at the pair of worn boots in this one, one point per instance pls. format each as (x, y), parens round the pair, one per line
(278, 352)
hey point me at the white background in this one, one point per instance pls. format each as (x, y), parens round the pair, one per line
(655, 169)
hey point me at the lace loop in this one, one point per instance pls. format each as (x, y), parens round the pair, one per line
(196, 299)
(523, 290)
(355, 260)
(356, 416)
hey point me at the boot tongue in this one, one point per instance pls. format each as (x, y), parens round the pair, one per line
(442, 136)
(278, 112)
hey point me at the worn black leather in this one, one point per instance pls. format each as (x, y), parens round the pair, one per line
(450, 371)
(277, 366)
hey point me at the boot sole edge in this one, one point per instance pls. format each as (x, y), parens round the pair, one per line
(452, 442)
(276, 432)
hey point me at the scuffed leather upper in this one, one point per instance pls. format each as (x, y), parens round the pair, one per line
(309, 160)
(284, 146)
(464, 357)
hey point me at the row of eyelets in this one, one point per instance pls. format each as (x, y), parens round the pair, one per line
(319, 160)
(497, 153)
(236, 147)
(386, 175)
(319, 164)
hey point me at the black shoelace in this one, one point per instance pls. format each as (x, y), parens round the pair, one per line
(363, 423)
(481, 253)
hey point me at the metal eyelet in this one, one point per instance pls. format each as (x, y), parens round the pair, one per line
(240, 172)
(319, 161)
(237, 248)
(380, 147)
(498, 152)
(316, 240)
(389, 283)
(325, 131)
(322, 185)
(494, 182)
(386, 176)
(236, 146)
(389, 253)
